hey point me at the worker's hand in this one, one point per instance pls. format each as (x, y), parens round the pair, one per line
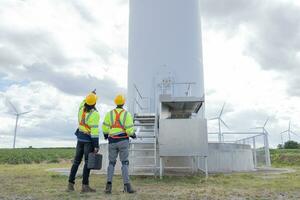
(133, 136)
(94, 91)
(105, 136)
(96, 150)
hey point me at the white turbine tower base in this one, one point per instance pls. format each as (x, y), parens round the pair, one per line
(18, 115)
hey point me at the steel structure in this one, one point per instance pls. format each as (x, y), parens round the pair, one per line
(258, 141)
(166, 94)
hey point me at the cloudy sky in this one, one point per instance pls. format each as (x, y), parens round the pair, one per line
(53, 52)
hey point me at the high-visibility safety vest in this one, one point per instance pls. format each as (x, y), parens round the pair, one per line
(88, 121)
(118, 123)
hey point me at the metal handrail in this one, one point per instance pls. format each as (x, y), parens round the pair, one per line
(156, 140)
(137, 90)
(253, 140)
(137, 103)
(247, 138)
(140, 97)
(189, 86)
(265, 147)
(184, 83)
(236, 133)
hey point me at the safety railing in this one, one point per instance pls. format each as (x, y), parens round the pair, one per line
(141, 103)
(258, 142)
(176, 88)
(260, 147)
(187, 88)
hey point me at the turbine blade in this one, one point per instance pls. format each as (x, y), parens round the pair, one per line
(266, 122)
(23, 113)
(12, 105)
(213, 118)
(224, 124)
(257, 128)
(266, 131)
(222, 109)
(284, 132)
(213, 133)
(295, 134)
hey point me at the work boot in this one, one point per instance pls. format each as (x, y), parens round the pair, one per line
(70, 187)
(108, 188)
(86, 188)
(128, 188)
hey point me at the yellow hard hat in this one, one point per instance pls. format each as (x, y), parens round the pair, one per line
(120, 100)
(91, 99)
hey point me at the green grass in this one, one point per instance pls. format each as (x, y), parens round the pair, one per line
(285, 157)
(33, 181)
(279, 157)
(28, 156)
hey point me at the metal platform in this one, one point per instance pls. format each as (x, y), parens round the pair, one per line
(181, 107)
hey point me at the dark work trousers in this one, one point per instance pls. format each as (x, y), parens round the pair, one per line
(82, 148)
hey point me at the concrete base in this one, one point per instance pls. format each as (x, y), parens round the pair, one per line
(225, 157)
(222, 158)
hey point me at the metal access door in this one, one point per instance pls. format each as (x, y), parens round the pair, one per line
(183, 137)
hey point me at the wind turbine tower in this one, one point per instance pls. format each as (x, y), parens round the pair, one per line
(266, 141)
(166, 93)
(289, 132)
(18, 115)
(220, 122)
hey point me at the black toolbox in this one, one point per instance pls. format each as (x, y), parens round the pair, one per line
(94, 161)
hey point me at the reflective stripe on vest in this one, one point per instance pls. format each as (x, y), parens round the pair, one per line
(117, 124)
(82, 122)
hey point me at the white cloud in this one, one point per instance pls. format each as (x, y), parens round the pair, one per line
(234, 71)
(53, 52)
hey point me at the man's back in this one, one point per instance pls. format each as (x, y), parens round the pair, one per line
(118, 125)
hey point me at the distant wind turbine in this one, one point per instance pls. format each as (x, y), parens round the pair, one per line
(18, 115)
(266, 141)
(289, 132)
(263, 128)
(220, 122)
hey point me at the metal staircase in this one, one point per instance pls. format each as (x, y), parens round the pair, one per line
(144, 148)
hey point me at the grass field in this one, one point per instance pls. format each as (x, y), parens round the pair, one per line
(279, 157)
(29, 156)
(33, 181)
(285, 157)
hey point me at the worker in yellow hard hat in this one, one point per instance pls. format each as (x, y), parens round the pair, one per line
(87, 140)
(117, 128)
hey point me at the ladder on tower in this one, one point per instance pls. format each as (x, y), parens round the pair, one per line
(144, 148)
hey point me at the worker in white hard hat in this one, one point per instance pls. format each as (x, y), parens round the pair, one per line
(87, 140)
(117, 128)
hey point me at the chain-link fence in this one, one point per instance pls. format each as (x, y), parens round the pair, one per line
(260, 148)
